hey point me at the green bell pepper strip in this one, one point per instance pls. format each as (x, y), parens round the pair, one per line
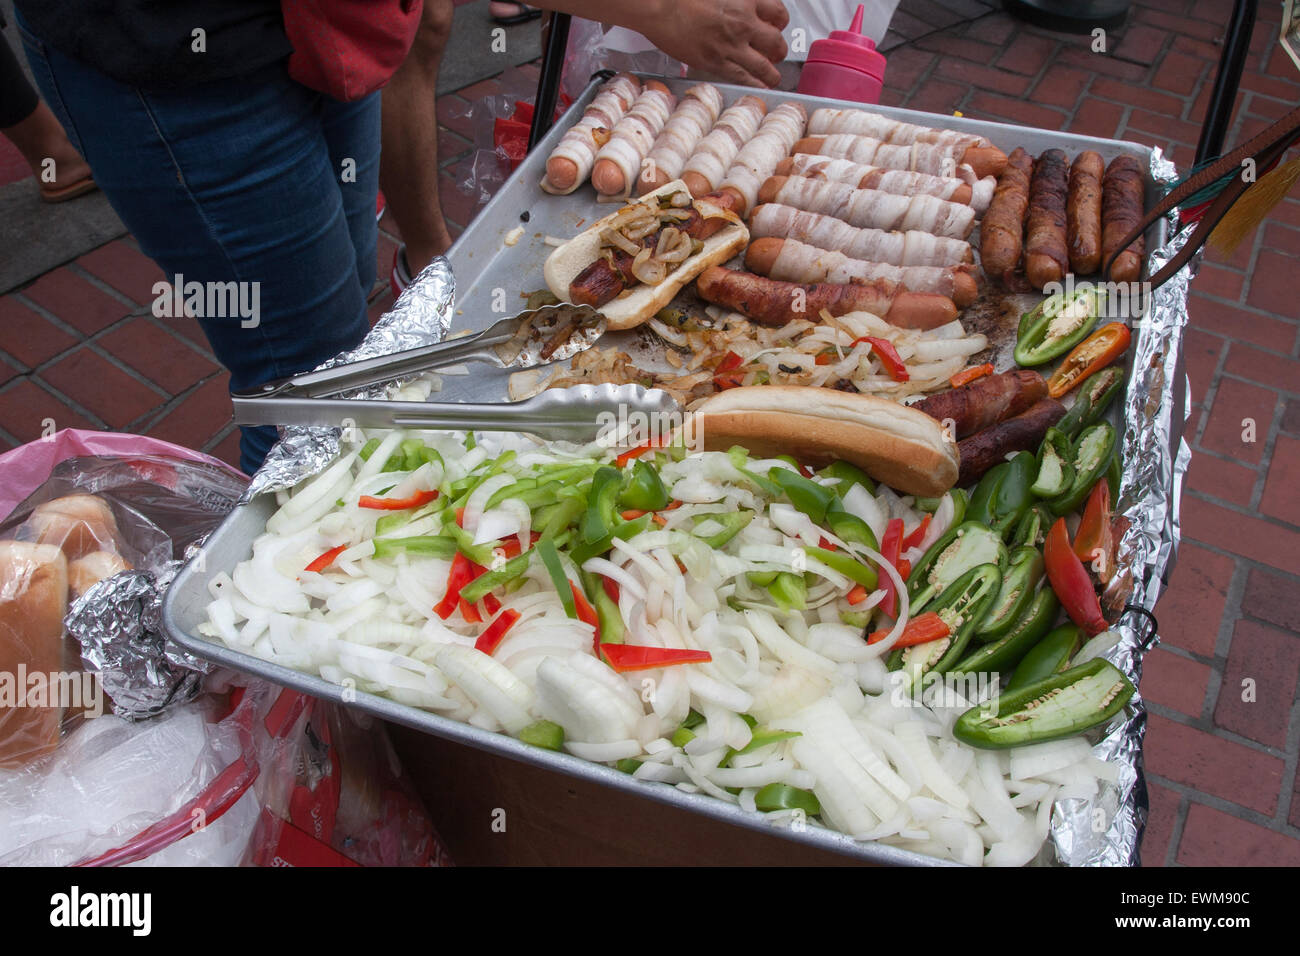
(502, 576)
(628, 765)
(761, 578)
(807, 496)
(849, 527)
(411, 457)
(962, 606)
(510, 491)
(612, 628)
(846, 565)
(368, 449)
(601, 517)
(425, 545)
(557, 518)
(961, 548)
(848, 475)
(645, 490)
(1055, 465)
(761, 738)
(782, 796)
(584, 552)
(480, 554)
(1091, 457)
(681, 737)
(1035, 345)
(1049, 656)
(1006, 652)
(432, 456)
(693, 719)
(732, 525)
(927, 505)
(789, 591)
(1062, 705)
(1019, 584)
(551, 558)
(740, 461)
(543, 733)
(856, 619)
(1033, 527)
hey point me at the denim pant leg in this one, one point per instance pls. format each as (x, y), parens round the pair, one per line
(236, 181)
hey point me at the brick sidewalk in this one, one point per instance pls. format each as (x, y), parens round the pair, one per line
(81, 348)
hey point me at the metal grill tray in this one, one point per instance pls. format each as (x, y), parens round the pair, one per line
(490, 275)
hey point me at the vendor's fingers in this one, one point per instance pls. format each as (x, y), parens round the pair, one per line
(768, 41)
(774, 12)
(755, 69)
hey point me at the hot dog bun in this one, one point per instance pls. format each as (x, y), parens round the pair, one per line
(79, 524)
(639, 303)
(900, 446)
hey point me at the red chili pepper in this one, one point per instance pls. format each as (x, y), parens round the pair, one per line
(461, 573)
(1091, 355)
(1070, 581)
(730, 362)
(891, 549)
(634, 657)
(914, 539)
(857, 595)
(968, 375)
(1094, 540)
(921, 629)
(397, 504)
(637, 452)
(611, 588)
(487, 641)
(326, 559)
(889, 357)
(587, 614)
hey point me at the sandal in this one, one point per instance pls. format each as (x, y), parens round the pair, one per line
(525, 14)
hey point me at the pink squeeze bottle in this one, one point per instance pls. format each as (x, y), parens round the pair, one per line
(844, 66)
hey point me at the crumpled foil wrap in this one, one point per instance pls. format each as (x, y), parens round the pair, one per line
(1103, 831)
(118, 623)
(1106, 830)
(420, 316)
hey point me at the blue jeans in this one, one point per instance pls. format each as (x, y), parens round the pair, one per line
(250, 180)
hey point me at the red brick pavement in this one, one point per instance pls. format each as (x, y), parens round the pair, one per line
(81, 348)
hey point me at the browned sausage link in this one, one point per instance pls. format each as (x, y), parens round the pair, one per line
(1121, 212)
(1083, 213)
(1024, 432)
(1046, 258)
(772, 302)
(985, 401)
(1003, 227)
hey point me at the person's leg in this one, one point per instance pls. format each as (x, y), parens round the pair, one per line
(351, 133)
(28, 123)
(229, 183)
(408, 164)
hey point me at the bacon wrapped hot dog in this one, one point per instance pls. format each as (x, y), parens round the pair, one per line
(758, 158)
(693, 118)
(1083, 213)
(869, 208)
(714, 154)
(937, 159)
(619, 161)
(570, 162)
(911, 248)
(903, 182)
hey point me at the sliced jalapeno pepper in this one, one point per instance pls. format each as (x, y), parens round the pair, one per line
(645, 490)
(1033, 527)
(1091, 457)
(807, 496)
(982, 498)
(1113, 475)
(1095, 396)
(962, 607)
(1056, 325)
(849, 527)
(1063, 705)
(1055, 465)
(961, 548)
(1049, 656)
(1005, 653)
(1019, 583)
(1013, 497)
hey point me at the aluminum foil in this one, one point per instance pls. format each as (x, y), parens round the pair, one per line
(1106, 830)
(420, 316)
(118, 623)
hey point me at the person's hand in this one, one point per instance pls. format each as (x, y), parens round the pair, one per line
(737, 40)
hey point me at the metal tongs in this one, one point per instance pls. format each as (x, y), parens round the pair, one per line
(530, 339)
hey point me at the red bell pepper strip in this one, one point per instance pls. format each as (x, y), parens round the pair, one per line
(857, 595)
(468, 611)
(1094, 543)
(586, 614)
(727, 380)
(968, 375)
(509, 547)
(413, 500)
(914, 539)
(889, 357)
(487, 641)
(461, 573)
(730, 362)
(826, 544)
(622, 460)
(921, 629)
(491, 603)
(891, 549)
(827, 357)
(635, 657)
(904, 568)
(460, 517)
(1070, 581)
(611, 588)
(326, 559)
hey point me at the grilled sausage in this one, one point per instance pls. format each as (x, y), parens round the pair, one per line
(1083, 213)
(985, 401)
(1002, 232)
(1046, 258)
(986, 448)
(1121, 212)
